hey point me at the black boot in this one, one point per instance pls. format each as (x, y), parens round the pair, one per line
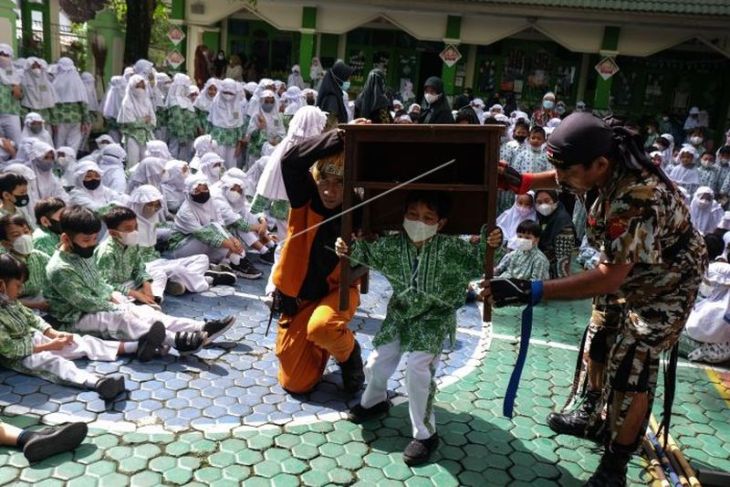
(612, 470)
(353, 376)
(38, 445)
(576, 423)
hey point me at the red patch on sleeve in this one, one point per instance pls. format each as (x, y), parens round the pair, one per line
(616, 228)
(591, 221)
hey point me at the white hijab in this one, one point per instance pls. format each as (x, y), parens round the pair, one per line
(38, 91)
(147, 227)
(194, 216)
(46, 183)
(307, 122)
(706, 219)
(8, 74)
(294, 100)
(111, 161)
(136, 104)
(686, 175)
(207, 162)
(178, 94)
(114, 97)
(97, 198)
(148, 171)
(158, 148)
(68, 84)
(225, 184)
(203, 102)
(273, 121)
(90, 84)
(44, 135)
(511, 218)
(225, 111)
(202, 145)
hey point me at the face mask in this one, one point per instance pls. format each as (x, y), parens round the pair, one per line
(431, 98)
(130, 238)
(201, 197)
(696, 140)
(36, 129)
(546, 209)
(233, 196)
(228, 96)
(345, 85)
(44, 165)
(23, 244)
(267, 107)
(139, 91)
(706, 163)
(310, 101)
(418, 231)
(519, 243)
(21, 201)
(5, 61)
(221, 56)
(55, 226)
(520, 138)
(92, 184)
(560, 110)
(724, 162)
(548, 105)
(35, 71)
(83, 252)
(703, 204)
(63, 161)
(149, 212)
(523, 210)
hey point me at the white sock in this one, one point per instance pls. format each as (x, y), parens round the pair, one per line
(270, 244)
(130, 347)
(209, 280)
(235, 259)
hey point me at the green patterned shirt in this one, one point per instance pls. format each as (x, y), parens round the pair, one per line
(36, 263)
(45, 240)
(121, 265)
(9, 105)
(182, 124)
(428, 286)
(139, 131)
(210, 234)
(228, 137)
(46, 113)
(518, 264)
(75, 287)
(203, 119)
(17, 324)
(76, 112)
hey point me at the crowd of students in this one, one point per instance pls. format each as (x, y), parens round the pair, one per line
(184, 184)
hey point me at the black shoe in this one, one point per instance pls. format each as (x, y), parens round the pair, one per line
(578, 422)
(110, 387)
(150, 342)
(215, 328)
(246, 269)
(54, 440)
(268, 256)
(174, 288)
(221, 278)
(419, 451)
(613, 467)
(358, 413)
(187, 342)
(353, 376)
(221, 268)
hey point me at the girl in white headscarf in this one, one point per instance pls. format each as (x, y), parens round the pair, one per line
(212, 167)
(202, 145)
(523, 209)
(66, 165)
(186, 274)
(293, 100)
(173, 183)
(34, 127)
(182, 122)
(198, 229)
(149, 171)
(204, 101)
(226, 121)
(89, 192)
(10, 93)
(158, 148)
(136, 118)
(295, 78)
(90, 85)
(39, 95)
(685, 173)
(266, 125)
(111, 162)
(71, 114)
(316, 73)
(42, 159)
(112, 105)
(705, 213)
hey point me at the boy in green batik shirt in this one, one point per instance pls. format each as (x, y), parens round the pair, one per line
(47, 235)
(429, 273)
(15, 239)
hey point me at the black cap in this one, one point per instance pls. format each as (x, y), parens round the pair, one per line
(580, 138)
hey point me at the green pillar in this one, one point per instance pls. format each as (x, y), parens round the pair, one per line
(8, 24)
(602, 99)
(453, 33)
(177, 18)
(212, 39)
(106, 45)
(306, 43)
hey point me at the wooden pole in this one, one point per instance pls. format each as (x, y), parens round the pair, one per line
(678, 455)
(656, 466)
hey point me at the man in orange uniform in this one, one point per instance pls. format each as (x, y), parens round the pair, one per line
(312, 327)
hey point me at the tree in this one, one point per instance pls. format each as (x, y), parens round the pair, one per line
(140, 16)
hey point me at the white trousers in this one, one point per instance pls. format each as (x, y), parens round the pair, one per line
(135, 151)
(188, 271)
(281, 231)
(57, 365)
(180, 149)
(129, 322)
(420, 384)
(68, 134)
(161, 134)
(192, 246)
(228, 153)
(10, 128)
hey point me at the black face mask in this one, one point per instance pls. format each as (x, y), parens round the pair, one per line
(520, 138)
(310, 101)
(201, 197)
(83, 252)
(55, 226)
(249, 95)
(92, 184)
(21, 201)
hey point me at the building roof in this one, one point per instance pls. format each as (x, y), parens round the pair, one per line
(678, 7)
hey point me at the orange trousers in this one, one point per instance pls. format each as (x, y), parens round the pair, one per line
(306, 340)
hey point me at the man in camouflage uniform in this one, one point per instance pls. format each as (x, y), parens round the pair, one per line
(653, 259)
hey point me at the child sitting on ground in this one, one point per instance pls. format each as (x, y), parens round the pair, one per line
(47, 234)
(80, 299)
(31, 346)
(525, 261)
(41, 444)
(15, 239)
(421, 312)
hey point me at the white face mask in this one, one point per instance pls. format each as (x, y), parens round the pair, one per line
(546, 209)
(228, 96)
(130, 238)
(523, 210)
(418, 231)
(139, 92)
(63, 161)
(233, 196)
(696, 140)
(23, 244)
(706, 163)
(519, 243)
(431, 98)
(36, 71)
